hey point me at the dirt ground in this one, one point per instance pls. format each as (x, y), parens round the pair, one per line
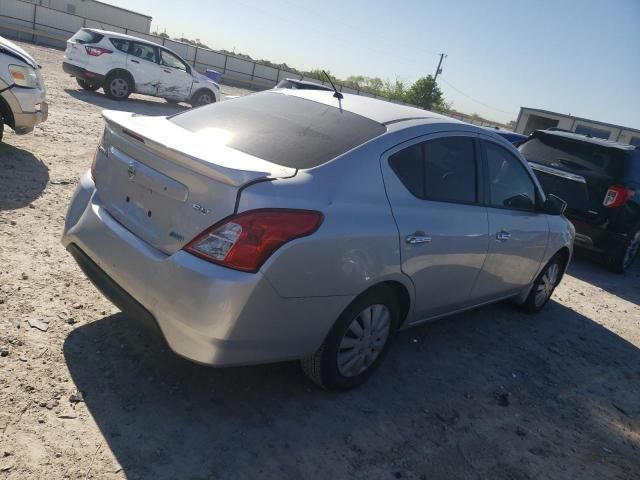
(85, 393)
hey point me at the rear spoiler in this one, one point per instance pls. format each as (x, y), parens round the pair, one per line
(200, 153)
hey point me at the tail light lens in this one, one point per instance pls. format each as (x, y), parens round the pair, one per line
(97, 51)
(245, 241)
(617, 196)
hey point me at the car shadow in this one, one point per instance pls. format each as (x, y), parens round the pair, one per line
(625, 286)
(23, 177)
(490, 393)
(135, 103)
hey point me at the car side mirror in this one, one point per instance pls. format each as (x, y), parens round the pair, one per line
(189, 70)
(554, 205)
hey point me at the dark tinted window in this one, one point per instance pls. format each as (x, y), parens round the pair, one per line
(442, 170)
(86, 36)
(120, 44)
(450, 169)
(408, 164)
(509, 183)
(282, 129)
(144, 51)
(572, 155)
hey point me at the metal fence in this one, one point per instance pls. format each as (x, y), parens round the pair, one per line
(30, 22)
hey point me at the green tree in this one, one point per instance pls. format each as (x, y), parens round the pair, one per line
(426, 94)
(395, 90)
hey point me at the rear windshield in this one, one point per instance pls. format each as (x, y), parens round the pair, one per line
(87, 36)
(575, 156)
(285, 130)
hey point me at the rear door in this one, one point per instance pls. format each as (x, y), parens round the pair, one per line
(518, 231)
(175, 79)
(142, 62)
(432, 185)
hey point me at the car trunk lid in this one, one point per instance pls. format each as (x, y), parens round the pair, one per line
(166, 184)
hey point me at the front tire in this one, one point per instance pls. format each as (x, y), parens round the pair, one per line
(544, 285)
(118, 86)
(202, 97)
(357, 343)
(86, 85)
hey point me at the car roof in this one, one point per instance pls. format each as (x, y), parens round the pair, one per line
(380, 111)
(578, 137)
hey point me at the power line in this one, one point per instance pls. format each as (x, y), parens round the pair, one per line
(476, 100)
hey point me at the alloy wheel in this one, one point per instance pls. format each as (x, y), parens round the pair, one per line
(364, 340)
(547, 284)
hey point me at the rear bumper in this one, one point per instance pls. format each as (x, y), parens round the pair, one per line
(82, 73)
(207, 313)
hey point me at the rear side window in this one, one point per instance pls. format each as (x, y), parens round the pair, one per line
(120, 44)
(286, 130)
(408, 165)
(144, 51)
(83, 36)
(510, 186)
(442, 170)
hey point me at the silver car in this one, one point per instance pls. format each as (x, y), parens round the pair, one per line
(291, 224)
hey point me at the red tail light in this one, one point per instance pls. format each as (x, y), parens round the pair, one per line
(617, 196)
(96, 51)
(245, 241)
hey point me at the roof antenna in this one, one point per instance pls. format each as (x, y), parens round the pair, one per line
(336, 93)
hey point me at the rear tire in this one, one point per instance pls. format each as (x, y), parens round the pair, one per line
(357, 342)
(118, 86)
(544, 285)
(86, 85)
(622, 258)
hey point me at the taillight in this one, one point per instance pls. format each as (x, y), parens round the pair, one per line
(245, 241)
(617, 196)
(96, 51)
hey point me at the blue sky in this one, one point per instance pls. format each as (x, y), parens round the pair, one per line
(572, 56)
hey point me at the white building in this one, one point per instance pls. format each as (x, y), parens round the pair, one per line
(99, 12)
(530, 119)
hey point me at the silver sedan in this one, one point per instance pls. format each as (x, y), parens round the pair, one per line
(295, 224)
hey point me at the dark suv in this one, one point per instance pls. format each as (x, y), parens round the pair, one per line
(600, 181)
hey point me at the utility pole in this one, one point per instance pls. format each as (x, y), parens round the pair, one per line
(435, 77)
(438, 70)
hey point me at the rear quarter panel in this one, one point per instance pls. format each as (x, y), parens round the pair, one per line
(356, 246)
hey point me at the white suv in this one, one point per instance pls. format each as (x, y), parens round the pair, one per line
(122, 64)
(22, 94)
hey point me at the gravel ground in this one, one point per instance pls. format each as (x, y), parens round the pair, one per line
(85, 393)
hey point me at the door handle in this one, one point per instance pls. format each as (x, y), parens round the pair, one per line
(134, 61)
(503, 236)
(417, 238)
(166, 71)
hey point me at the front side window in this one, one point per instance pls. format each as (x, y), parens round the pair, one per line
(144, 51)
(442, 170)
(168, 59)
(510, 186)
